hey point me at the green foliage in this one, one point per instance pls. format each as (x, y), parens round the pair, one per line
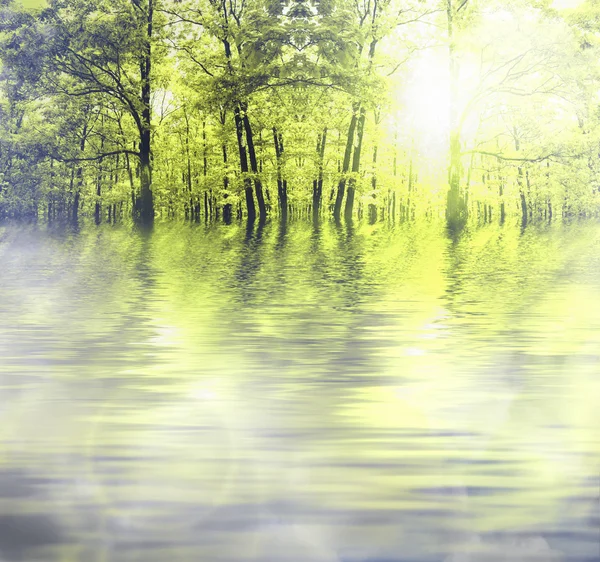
(76, 103)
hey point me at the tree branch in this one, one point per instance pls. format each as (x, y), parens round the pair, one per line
(97, 157)
(511, 158)
(462, 6)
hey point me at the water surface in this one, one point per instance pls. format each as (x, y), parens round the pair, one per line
(299, 393)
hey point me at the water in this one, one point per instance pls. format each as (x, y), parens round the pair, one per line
(382, 394)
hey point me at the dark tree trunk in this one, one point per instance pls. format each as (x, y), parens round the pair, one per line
(281, 183)
(79, 176)
(188, 175)
(227, 208)
(260, 199)
(318, 183)
(146, 214)
(372, 213)
(131, 183)
(189, 180)
(98, 206)
(99, 178)
(523, 208)
(146, 205)
(260, 169)
(360, 129)
(239, 129)
(374, 178)
(76, 203)
(337, 209)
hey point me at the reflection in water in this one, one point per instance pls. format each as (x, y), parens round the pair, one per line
(299, 392)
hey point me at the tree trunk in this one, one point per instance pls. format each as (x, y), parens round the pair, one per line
(360, 129)
(281, 183)
(226, 206)
(262, 209)
(146, 208)
(239, 129)
(523, 208)
(456, 210)
(97, 206)
(189, 166)
(374, 178)
(79, 176)
(337, 209)
(523, 198)
(520, 184)
(318, 183)
(76, 201)
(146, 215)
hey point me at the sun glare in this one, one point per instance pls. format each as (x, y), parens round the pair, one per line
(426, 100)
(424, 107)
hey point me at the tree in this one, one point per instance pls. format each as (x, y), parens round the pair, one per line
(211, 107)
(96, 51)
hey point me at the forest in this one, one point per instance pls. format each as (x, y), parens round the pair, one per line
(218, 110)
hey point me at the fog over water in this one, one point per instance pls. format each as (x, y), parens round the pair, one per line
(299, 393)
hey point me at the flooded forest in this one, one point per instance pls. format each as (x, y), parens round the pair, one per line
(299, 280)
(215, 110)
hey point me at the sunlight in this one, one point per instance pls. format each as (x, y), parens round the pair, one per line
(427, 102)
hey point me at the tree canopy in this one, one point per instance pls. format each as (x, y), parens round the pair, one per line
(219, 109)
